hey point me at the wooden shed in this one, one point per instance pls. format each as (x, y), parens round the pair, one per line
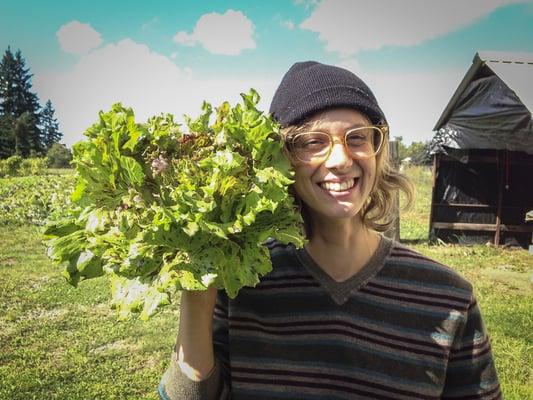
(483, 154)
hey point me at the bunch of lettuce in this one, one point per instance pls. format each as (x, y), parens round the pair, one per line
(158, 208)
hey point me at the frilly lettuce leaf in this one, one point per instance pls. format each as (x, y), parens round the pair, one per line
(159, 208)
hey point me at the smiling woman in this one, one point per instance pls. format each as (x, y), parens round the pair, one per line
(353, 314)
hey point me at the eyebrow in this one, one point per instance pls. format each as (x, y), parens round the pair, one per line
(309, 126)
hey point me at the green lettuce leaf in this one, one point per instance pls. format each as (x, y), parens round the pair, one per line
(159, 208)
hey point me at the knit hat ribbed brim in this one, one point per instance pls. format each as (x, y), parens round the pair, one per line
(309, 87)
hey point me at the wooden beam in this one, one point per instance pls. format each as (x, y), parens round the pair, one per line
(436, 160)
(501, 172)
(464, 205)
(488, 159)
(464, 226)
(394, 231)
(480, 206)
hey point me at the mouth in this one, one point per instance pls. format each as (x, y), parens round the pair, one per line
(336, 189)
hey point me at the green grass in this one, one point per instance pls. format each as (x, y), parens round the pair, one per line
(58, 342)
(501, 280)
(60, 171)
(414, 226)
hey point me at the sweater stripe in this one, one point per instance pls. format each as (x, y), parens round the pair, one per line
(313, 384)
(337, 343)
(421, 286)
(379, 327)
(329, 324)
(338, 379)
(425, 293)
(363, 374)
(329, 333)
(413, 300)
(405, 328)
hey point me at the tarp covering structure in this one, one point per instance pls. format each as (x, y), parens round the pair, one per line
(483, 154)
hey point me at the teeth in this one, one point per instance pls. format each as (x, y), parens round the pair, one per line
(338, 187)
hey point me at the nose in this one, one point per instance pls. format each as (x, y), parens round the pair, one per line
(338, 158)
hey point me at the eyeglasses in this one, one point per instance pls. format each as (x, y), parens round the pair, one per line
(316, 147)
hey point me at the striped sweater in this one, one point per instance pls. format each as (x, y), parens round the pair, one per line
(404, 327)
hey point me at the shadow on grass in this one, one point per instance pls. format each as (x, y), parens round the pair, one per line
(414, 241)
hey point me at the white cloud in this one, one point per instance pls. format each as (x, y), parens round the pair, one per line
(349, 26)
(151, 83)
(150, 24)
(228, 33)
(306, 3)
(184, 38)
(288, 24)
(78, 38)
(351, 64)
(131, 73)
(412, 102)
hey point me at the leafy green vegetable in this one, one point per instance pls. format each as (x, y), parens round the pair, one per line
(159, 209)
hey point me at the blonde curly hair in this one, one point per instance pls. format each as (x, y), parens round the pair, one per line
(377, 212)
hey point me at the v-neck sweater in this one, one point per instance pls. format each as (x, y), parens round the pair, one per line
(340, 291)
(403, 327)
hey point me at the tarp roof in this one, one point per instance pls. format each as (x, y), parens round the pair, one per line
(514, 69)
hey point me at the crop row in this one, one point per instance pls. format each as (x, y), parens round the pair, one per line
(32, 199)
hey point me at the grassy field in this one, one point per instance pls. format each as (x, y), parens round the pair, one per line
(57, 342)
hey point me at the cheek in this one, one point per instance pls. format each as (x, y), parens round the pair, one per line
(369, 172)
(303, 179)
(299, 182)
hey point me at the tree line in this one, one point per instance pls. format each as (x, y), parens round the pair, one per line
(26, 128)
(417, 152)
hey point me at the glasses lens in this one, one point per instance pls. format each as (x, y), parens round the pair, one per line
(311, 146)
(364, 142)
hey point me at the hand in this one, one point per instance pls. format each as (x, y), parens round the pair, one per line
(200, 301)
(194, 346)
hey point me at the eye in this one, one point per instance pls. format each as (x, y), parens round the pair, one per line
(309, 141)
(356, 139)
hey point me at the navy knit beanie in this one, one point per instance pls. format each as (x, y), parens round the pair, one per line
(309, 86)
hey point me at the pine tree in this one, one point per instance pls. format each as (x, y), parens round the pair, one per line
(7, 96)
(19, 108)
(49, 126)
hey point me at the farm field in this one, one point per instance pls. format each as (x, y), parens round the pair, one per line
(58, 342)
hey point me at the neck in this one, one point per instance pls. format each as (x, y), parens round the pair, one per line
(342, 248)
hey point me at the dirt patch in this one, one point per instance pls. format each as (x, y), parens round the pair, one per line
(41, 313)
(514, 281)
(8, 262)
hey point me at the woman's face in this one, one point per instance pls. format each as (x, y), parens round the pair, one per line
(323, 186)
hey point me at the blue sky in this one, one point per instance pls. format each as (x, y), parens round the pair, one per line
(167, 56)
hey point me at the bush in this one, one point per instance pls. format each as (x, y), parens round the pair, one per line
(12, 165)
(59, 156)
(18, 166)
(33, 199)
(33, 166)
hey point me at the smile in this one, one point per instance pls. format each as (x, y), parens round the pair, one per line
(338, 187)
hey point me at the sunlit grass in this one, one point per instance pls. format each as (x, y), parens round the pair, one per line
(501, 280)
(59, 342)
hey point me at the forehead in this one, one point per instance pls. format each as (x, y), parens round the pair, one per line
(336, 119)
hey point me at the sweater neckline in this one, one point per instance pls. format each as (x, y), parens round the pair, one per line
(341, 291)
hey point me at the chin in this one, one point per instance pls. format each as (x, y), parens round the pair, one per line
(339, 211)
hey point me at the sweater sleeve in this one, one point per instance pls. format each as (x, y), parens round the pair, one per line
(175, 385)
(471, 373)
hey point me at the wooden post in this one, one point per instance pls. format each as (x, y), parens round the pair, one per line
(436, 160)
(500, 196)
(394, 231)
